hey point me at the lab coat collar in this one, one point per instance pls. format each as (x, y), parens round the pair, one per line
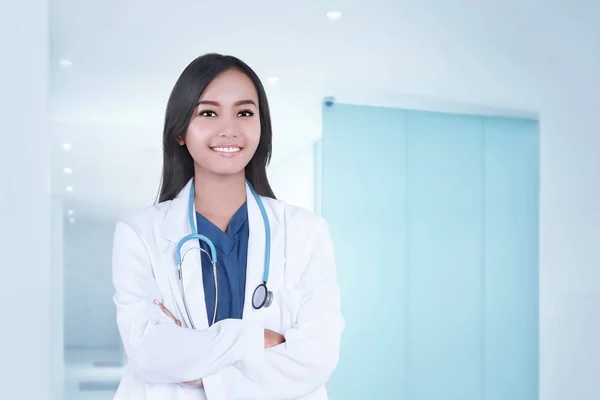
(175, 226)
(176, 222)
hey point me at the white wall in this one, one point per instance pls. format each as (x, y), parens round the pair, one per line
(569, 249)
(292, 179)
(568, 91)
(57, 281)
(27, 324)
(90, 316)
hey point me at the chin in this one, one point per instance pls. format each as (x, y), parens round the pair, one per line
(224, 167)
(225, 172)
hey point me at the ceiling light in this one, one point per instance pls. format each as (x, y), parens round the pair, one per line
(273, 79)
(68, 170)
(334, 15)
(69, 188)
(67, 146)
(66, 63)
(70, 212)
(72, 220)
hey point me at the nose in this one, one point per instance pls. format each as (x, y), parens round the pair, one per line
(227, 133)
(229, 129)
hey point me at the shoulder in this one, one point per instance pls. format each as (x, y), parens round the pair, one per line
(298, 221)
(309, 246)
(145, 219)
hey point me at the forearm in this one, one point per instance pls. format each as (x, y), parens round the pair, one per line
(296, 368)
(168, 353)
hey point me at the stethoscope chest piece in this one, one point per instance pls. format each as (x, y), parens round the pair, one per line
(262, 297)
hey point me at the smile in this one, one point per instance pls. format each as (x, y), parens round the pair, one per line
(226, 150)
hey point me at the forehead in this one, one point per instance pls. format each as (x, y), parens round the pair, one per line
(230, 86)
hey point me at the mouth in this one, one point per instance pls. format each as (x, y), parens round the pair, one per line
(227, 151)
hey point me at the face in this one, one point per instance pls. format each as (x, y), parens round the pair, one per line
(225, 129)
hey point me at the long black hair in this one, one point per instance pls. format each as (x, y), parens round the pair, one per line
(178, 164)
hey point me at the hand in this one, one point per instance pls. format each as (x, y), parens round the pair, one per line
(273, 338)
(169, 314)
(197, 383)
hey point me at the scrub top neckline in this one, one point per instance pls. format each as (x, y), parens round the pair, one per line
(223, 241)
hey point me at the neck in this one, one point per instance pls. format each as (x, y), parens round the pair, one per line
(218, 197)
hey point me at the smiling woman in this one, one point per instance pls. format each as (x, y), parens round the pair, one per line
(223, 291)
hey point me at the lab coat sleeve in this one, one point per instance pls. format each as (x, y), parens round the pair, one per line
(306, 360)
(159, 350)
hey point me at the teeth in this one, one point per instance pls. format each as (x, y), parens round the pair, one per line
(226, 149)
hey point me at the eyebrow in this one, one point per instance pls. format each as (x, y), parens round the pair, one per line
(216, 104)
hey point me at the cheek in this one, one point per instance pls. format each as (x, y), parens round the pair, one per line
(196, 137)
(252, 136)
(252, 141)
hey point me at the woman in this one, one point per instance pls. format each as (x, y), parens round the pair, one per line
(259, 314)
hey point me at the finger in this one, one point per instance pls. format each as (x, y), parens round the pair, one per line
(164, 309)
(167, 312)
(197, 383)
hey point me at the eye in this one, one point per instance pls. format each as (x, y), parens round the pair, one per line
(245, 113)
(207, 113)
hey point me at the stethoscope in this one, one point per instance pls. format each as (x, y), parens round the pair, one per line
(262, 296)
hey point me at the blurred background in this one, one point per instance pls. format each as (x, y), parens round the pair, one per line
(451, 145)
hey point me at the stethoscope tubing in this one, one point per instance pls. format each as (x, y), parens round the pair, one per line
(213, 256)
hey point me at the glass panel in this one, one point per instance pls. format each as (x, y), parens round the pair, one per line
(434, 218)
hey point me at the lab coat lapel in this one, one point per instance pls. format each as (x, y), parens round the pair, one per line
(256, 254)
(175, 227)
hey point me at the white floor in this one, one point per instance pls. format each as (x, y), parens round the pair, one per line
(92, 374)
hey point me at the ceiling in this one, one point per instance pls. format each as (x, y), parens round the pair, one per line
(126, 56)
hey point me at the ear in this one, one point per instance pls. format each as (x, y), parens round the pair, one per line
(181, 139)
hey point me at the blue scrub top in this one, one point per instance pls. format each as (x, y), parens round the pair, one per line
(232, 250)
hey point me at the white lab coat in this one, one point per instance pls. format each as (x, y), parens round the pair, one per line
(229, 356)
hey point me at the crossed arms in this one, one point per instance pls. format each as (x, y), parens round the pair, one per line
(232, 356)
